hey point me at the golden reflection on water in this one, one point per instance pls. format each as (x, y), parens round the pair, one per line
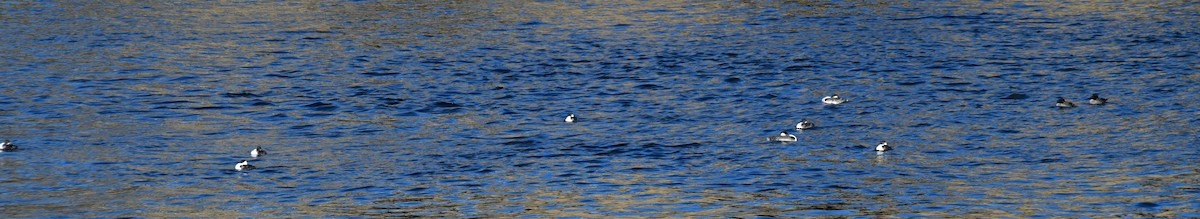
(220, 30)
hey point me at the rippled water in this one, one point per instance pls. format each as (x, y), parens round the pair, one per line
(455, 109)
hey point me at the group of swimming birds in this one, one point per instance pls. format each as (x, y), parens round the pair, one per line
(883, 145)
(783, 136)
(245, 165)
(1094, 100)
(7, 146)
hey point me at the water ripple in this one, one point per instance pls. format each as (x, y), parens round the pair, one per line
(376, 109)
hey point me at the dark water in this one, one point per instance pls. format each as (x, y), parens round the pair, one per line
(455, 109)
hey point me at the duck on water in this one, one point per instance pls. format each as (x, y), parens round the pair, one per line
(783, 137)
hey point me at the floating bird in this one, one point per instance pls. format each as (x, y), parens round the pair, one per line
(258, 151)
(570, 118)
(883, 146)
(244, 165)
(804, 124)
(783, 137)
(7, 146)
(833, 99)
(1096, 100)
(1063, 103)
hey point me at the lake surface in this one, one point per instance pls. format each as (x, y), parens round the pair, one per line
(372, 109)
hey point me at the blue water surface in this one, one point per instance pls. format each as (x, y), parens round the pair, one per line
(455, 109)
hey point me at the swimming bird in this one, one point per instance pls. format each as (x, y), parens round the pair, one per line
(883, 146)
(833, 99)
(1063, 103)
(570, 118)
(783, 137)
(1096, 100)
(804, 124)
(7, 146)
(258, 151)
(244, 165)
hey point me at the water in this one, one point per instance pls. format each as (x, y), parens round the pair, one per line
(455, 109)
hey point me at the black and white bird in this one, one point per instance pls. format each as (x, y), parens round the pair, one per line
(883, 146)
(1063, 103)
(244, 165)
(805, 124)
(570, 118)
(7, 146)
(258, 151)
(833, 99)
(1096, 100)
(783, 137)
